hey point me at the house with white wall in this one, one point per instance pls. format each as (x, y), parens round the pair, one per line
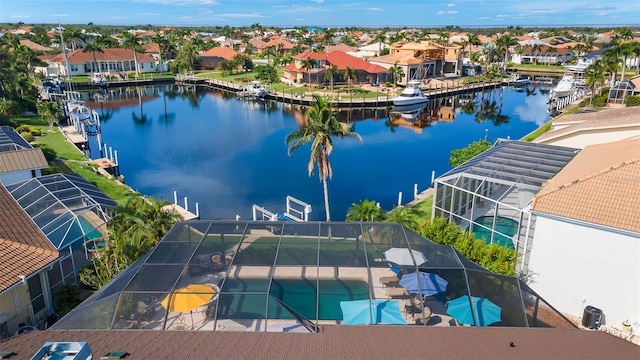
(113, 60)
(587, 238)
(18, 159)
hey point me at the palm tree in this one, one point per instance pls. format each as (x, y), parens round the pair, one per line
(397, 72)
(503, 43)
(626, 51)
(402, 216)
(366, 210)
(74, 36)
(93, 48)
(308, 64)
(474, 40)
(594, 75)
(268, 52)
(50, 111)
(535, 51)
(611, 62)
(131, 42)
(329, 73)
(380, 38)
(349, 74)
(321, 123)
(163, 45)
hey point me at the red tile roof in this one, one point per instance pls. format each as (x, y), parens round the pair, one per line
(310, 54)
(24, 249)
(342, 60)
(221, 52)
(342, 342)
(113, 54)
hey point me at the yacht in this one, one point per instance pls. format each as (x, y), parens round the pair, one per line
(79, 109)
(411, 95)
(520, 82)
(566, 87)
(98, 80)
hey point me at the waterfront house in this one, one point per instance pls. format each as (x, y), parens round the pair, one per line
(546, 55)
(365, 72)
(279, 44)
(18, 159)
(420, 60)
(594, 127)
(212, 58)
(112, 60)
(491, 194)
(29, 268)
(587, 246)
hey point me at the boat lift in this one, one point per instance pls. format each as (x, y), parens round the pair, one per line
(297, 210)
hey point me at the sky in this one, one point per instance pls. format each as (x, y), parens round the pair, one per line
(326, 13)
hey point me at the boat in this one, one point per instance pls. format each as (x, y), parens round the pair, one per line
(520, 82)
(99, 80)
(408, 112)
(410, 95)
(566, 87)
(79, 110)
(255, 90)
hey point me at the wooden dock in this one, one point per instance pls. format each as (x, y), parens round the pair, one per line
(73, 136)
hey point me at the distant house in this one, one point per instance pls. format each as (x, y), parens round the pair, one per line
(545, 55)
(583, 129)
(18, 159)
(370, 51)
(211, 58)
(30, 268)
(587, 238)
(421, 60)
(35, 46)
(365, 72)
(109, 60)
(280, 45)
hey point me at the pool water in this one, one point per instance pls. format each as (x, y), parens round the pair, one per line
(299, 294)
(504, 225)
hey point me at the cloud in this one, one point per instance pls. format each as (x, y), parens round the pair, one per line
(602, 14)
(20, 16)
(240, 15)
(502, 16)
(317, 1)
(447, 12)
(451, 5)
(180, 2)
(485, 18)
(440, 12)
(374, 9)
(543, 11)
(186, 17)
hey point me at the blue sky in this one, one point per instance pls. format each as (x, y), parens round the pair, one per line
(323, 12)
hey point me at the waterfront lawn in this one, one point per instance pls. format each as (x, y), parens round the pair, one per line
(539, 131)
(538, 66)
(421, 212)
(113, 189)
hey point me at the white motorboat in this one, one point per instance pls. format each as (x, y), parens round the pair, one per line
(566, 87)
(520, 82)
(411, 95)
(78, 109)
(98, 80)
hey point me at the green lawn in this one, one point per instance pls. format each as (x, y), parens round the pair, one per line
(422, 210)
(536, 67)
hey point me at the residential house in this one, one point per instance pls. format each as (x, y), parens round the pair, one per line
(211, 58)
(279, 44)
(365, 72)
(628, 87)
(35, 46)
(587, 246)
(369, 51)
(595, 127)
(27, 258)
(342, 47)
(18, 159)
(109, 60)
(544, 55)
(421, 60)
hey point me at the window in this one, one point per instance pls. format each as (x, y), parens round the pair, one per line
(35, 290)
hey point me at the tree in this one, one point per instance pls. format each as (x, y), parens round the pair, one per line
(459, 156)
(131, 42)
(535, 51)
(50, 111)
(349, 74)
(402, 216)
(329, 74)
(135, 227)
(503, 43)
(268, 52)
(321, 124)
(163, 45)
(93, 48)
(187, 57)
(594, 75)
(308, 64)
(396, 72)
(266, 74)
(74, 36)
(365, 210)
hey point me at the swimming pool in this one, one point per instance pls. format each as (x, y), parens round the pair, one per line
(504, 225)
(299, 294)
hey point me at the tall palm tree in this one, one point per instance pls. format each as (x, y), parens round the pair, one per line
(329, 73)
(611, 62)
(93, 48)
(594, 75)
(349, 74)
(321, 124)
(268, 52)
(474, 40)
(380, 38)
(308, 64)
(503, 43)
(74, 36)
(403, 217)
(397, 73)
(131, 42)
(365, 210)
(163, 45)
(625, 51)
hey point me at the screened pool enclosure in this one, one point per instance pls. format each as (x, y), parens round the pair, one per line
(491, 194)
(293, 277)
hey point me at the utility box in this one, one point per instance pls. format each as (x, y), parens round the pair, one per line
(591, 317)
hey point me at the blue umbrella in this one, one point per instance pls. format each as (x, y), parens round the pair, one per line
(484, 311)
(422, 282)
(360, 312)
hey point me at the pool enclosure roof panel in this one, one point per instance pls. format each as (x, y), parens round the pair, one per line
(10, 140)
(256, 273)
(519, 162)
(67, 208)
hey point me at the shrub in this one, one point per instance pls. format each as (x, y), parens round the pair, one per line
(27, 136)
(23, 128)
(600, 101)
(632, 100)
(66, 299)
(49, 153)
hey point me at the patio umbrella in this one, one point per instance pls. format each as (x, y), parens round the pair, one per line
(422, 282)
(188, 298)
(484, 311)
(360, 312)
(403, 256)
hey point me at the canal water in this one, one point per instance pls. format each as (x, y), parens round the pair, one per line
(227, 154)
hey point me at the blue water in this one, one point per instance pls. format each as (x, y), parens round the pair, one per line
(504, 225)
(227, 154)
(298, 294)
